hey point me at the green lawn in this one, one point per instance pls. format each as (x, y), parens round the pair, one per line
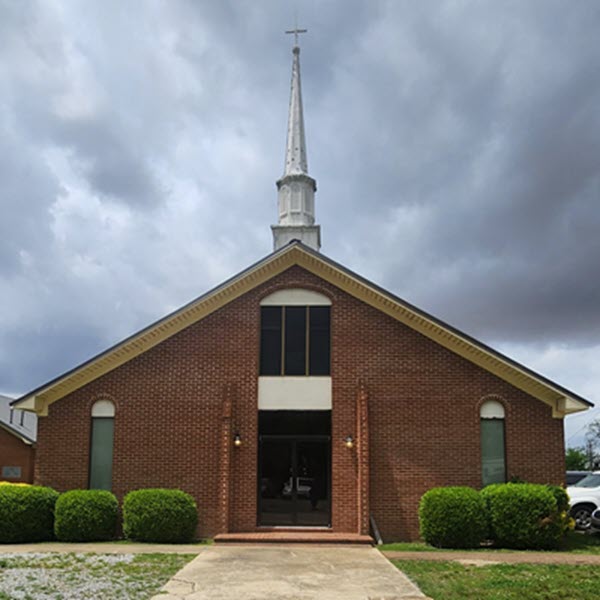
(575, 542)
(86, 576)
(453, 581)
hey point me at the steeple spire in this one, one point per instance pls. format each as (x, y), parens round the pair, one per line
(296, 189)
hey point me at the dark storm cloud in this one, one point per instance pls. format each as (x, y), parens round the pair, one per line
(37, 357)
(482, 119)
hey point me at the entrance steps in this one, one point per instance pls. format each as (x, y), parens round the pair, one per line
(293, 536)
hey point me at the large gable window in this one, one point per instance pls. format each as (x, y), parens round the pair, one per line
(101, 445)
(295, 337)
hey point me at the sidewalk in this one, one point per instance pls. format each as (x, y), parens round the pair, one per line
(290, 572)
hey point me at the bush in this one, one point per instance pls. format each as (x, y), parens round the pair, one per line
(159, 515)
(486, 493)
(526, 515)
(26, 513)
(453, 517)
(86, 516)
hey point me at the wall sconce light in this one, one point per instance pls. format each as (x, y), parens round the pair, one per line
(237, 440)
(349, 441)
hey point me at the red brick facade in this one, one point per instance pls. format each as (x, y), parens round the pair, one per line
(16, 453)
(411, 405)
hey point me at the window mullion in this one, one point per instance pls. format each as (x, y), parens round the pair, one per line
(282, 340)
(307, 352)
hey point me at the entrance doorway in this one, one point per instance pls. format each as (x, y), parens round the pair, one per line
(294, 468)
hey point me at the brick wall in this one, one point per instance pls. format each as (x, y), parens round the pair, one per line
(15, 453)
(423, 418)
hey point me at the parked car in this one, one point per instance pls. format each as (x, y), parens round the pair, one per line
(574, 476)
(585, 499)
(596, 519)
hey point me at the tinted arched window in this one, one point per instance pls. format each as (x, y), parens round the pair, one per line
(493, 461)
(101, 445)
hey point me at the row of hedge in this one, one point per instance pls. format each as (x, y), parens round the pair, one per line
(509, 515)
(36, 514)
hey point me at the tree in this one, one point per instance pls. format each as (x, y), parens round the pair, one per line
(592, 444)
(576, 459)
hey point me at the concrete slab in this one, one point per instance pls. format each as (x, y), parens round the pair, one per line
(291, 573)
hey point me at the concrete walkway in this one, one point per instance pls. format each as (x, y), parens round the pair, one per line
(287, 572)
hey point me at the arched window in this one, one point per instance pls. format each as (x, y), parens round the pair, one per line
(101, 445)
(493, 457)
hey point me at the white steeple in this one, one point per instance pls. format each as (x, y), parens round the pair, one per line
(296, 189)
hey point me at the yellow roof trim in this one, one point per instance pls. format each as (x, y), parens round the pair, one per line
(296, 254)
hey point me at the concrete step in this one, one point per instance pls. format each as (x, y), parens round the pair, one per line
(287, 536)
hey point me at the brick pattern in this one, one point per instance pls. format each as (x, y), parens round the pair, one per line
(15, 453)
(172, 430)
(362, 450)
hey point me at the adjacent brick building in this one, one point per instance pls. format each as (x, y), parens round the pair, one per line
(17, 443)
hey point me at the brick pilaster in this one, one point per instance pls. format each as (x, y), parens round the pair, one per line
(362, 452)
(225, 463)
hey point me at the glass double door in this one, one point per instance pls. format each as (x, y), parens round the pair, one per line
(294, 482)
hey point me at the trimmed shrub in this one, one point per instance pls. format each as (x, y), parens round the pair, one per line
(26, 513)
(525, 516)
(453, 517)
(86, 516)
(159, 515)
(486, 493)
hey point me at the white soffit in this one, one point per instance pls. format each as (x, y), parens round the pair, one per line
(294, 393)
(295, 297)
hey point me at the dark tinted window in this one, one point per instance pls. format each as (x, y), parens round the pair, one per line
(270, 340)
(319, 340)
(294, 422)
(295, 340)
(101, 453)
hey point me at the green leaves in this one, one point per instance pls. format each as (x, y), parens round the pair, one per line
(86, 516)
(26, 513)
(453, 517)
(159, 515)
(526, 515)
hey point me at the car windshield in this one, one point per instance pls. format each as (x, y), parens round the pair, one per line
(591, 481)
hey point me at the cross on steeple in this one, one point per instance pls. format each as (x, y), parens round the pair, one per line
(296, 31)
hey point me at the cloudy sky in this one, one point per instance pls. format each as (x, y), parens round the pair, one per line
(456, 146)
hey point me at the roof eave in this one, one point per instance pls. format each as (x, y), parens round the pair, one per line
(561, 400)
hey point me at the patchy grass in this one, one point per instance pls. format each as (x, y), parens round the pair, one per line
(204, 542)
(575, 542)
(453, 581)
(582, 543)
(58, 576)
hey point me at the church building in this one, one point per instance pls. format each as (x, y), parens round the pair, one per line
(299, 398)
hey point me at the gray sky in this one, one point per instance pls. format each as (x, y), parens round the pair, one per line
(456, 147)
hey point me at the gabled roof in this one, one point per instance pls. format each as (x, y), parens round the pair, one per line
(20, 423)
(561, 400)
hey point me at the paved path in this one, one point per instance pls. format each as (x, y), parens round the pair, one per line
(287, 572)
(483, 558)
(103, 548)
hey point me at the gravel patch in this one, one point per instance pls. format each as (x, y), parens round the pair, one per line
(54, 576)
